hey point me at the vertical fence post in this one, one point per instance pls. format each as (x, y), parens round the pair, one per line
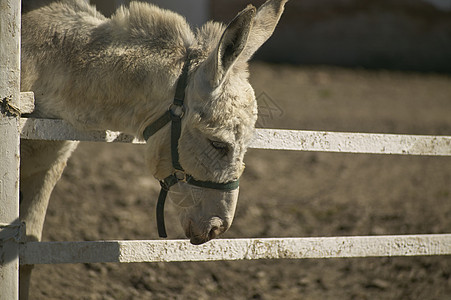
(9, 147)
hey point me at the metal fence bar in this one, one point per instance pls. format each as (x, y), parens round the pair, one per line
(60, 130)
(53, 129)
(9, 147)
(234, 249)
(345, 142)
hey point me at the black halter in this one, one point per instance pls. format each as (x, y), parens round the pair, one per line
(175, 114)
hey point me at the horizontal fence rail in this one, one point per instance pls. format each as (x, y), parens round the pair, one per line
(60, 130)
(234, 249)
(345, 142)
(369, 143)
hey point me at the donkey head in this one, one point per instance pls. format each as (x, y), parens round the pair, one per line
(221, 111)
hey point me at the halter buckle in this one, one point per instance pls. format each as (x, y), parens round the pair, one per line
(177, 111)
(181, 175)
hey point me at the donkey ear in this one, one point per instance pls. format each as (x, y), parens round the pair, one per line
(268, 15)
(232, 43)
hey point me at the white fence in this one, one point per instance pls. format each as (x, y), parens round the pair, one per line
(234, 249)
(12, 128)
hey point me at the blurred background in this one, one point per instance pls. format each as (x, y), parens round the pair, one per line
(335, 65)
(390, 34)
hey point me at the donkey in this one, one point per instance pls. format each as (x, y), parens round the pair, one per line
(122, 73)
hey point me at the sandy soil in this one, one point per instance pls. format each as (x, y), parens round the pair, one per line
(106, 193)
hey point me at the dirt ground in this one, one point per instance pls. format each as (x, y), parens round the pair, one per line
(106, 193)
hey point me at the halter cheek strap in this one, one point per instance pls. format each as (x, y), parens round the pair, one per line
(174, 115)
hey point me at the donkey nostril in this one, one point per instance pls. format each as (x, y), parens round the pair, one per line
(214, 232)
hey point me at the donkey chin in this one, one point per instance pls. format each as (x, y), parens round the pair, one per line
(204, 213)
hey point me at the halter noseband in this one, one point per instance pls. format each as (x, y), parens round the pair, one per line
(174, 115)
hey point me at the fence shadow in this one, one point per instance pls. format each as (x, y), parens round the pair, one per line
(33, 253)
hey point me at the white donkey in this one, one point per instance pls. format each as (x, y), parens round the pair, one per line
(122, 74)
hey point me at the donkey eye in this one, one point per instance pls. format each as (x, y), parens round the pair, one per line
(220, 146)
